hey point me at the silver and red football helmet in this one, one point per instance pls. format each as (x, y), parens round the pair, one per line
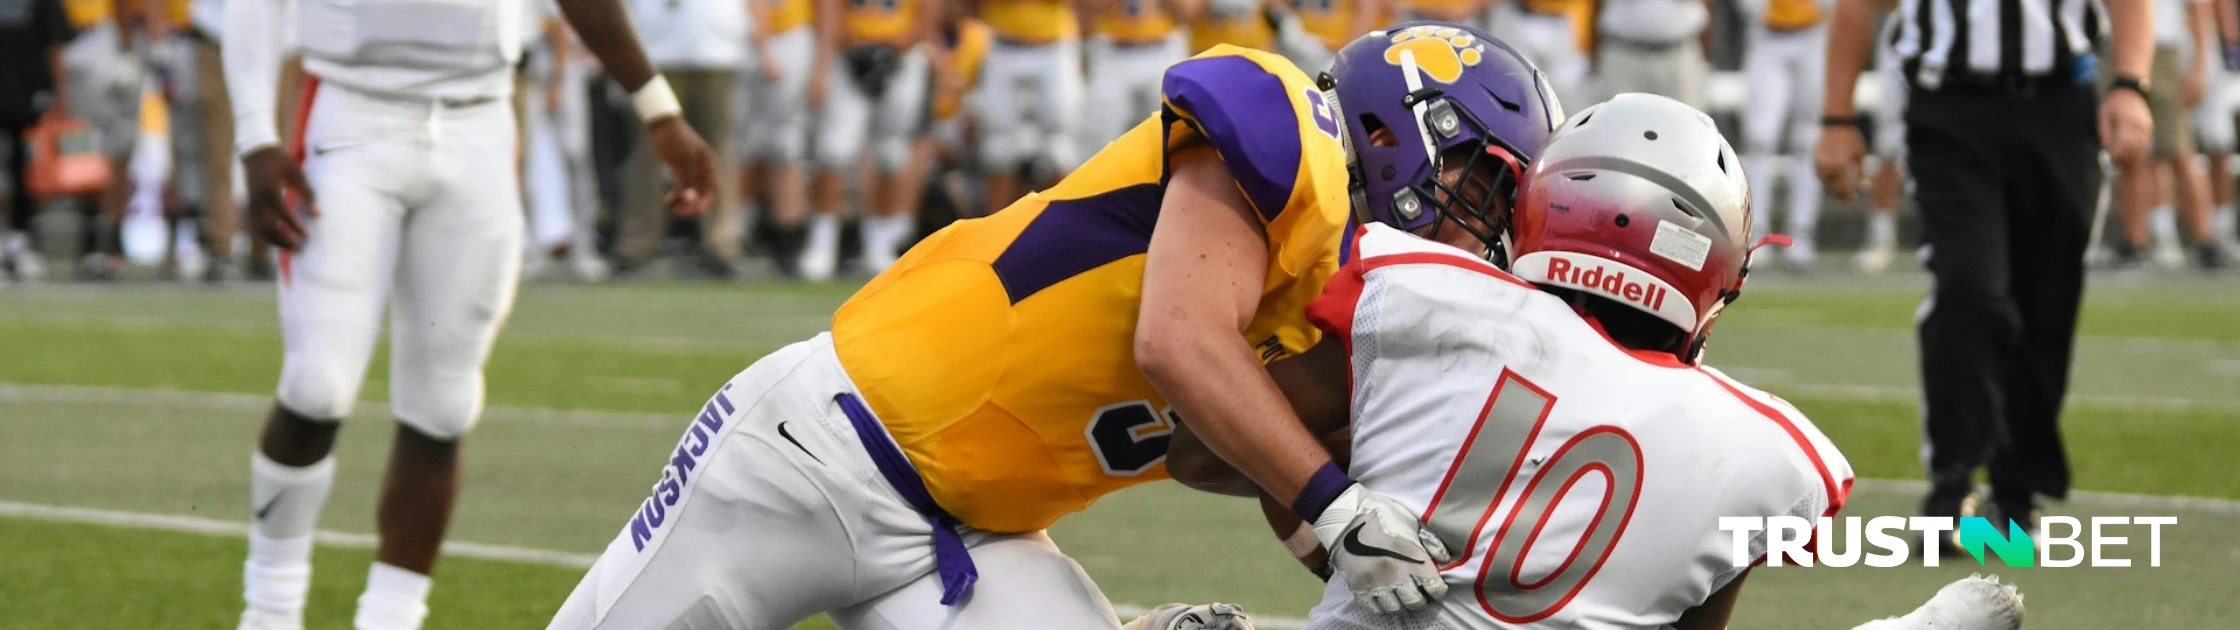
(1641, 201)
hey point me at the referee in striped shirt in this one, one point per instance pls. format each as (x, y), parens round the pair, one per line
(2006, 116)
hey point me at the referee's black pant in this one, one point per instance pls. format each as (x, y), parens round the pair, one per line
(2007, 182)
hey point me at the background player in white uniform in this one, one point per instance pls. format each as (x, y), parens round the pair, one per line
(1554, 427)
(1131, 42)
(870, 80)
(1786, 47)
(1543, 31)
(1889, 180)
(1028, 101)
(409, 187)
(774, 142)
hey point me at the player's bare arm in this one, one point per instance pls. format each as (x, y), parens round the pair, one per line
(604, 26)
(1840, 151)
(1201, 286)
(1714, 612)
(1314, 383)
(252, 67)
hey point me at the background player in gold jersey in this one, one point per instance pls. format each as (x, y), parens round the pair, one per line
(1028, 101)
(776, 135)
(870, 80)
(900, 471)
(1131, 42)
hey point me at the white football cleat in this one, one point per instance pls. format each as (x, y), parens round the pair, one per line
(1188, 617)
(1974, 603)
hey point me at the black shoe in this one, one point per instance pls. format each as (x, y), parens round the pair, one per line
(2210, 256)
(2006, 514)
(1948, 502)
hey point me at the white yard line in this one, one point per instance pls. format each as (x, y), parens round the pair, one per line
(1909, 394)
(349, 540)
(253, 403)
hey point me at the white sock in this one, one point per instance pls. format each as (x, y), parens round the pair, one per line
(824, 231)
(395, 599)
(2222, 223)
(2164, 223)
(1804, 200)
(284, 511)
(890, 230)
(1882, 228)
(17, 242)
(821, 256)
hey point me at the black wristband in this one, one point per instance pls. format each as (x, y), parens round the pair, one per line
(2128, 82)
(1839, 121)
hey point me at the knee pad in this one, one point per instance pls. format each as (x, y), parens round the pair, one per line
(442, 403)
(319, 387)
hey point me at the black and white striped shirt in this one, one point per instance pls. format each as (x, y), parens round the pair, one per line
(1988, 40)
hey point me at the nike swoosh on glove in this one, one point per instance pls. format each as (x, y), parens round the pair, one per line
(1975, 603)
(1386, 557)
(1188, 617)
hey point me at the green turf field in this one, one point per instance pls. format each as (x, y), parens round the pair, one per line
(127, 412)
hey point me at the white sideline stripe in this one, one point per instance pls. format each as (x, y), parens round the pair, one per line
(199, 525)
(1909, 394)
(347, 540)
(228, 401)
(2112, 500)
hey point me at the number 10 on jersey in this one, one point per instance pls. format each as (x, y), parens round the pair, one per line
(1475, 493)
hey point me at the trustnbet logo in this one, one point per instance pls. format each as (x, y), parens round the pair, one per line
(2061, 541)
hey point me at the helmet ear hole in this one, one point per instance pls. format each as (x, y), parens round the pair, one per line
(1379, 134)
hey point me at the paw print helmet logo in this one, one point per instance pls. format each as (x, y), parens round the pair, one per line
(1440, 51)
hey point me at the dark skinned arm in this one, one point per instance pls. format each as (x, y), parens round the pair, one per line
(1714, 612)
(606, 30)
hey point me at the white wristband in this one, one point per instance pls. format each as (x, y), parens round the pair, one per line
(655, 100)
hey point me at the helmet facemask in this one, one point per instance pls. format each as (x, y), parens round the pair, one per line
(1478, 195)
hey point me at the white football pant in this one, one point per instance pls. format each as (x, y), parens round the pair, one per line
(770, 511)
(1028, 104)
(774, 124)
(852, 121)
(420, 202)
(1126, 88)
(1784, 70)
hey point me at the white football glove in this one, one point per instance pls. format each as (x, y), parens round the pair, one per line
(1382, 552)
(1188, 617)
(1974, 603)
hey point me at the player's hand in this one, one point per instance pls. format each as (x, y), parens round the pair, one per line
(271, 177)
(689, 160)
(1386, 557)
(1838, 158)
(818, 87)
(2125, 126)
(2195, 86)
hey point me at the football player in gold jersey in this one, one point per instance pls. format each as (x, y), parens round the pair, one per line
(900, 471)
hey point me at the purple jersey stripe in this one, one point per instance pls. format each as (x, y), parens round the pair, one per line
(1246, 114)
(1073, 236)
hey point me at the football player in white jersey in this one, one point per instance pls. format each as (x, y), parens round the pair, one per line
(1538, 400)
(409, 190)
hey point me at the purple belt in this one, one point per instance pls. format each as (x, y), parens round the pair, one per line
(950, 558)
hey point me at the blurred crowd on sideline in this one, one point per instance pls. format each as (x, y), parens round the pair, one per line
(120, 163)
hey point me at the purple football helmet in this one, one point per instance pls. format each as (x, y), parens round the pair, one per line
(1442, 90)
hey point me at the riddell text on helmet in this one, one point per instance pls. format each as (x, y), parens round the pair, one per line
(1613, 283)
